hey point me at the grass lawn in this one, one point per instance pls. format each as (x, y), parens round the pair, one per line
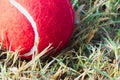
(93, 52)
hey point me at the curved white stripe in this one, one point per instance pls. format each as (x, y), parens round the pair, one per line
(31, 20)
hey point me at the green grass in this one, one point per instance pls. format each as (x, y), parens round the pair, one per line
(93, 52)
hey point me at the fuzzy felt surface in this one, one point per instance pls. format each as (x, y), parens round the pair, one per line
(54, 20)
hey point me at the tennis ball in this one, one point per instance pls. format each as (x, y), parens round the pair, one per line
(27, 25)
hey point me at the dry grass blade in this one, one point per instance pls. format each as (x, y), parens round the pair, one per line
(90, 35)
(29, 64)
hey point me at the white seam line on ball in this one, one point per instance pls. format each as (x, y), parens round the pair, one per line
(31, 20)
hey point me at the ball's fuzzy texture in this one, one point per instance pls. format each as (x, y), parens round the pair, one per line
(54, 20)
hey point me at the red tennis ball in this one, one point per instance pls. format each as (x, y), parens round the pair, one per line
(24, 23)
